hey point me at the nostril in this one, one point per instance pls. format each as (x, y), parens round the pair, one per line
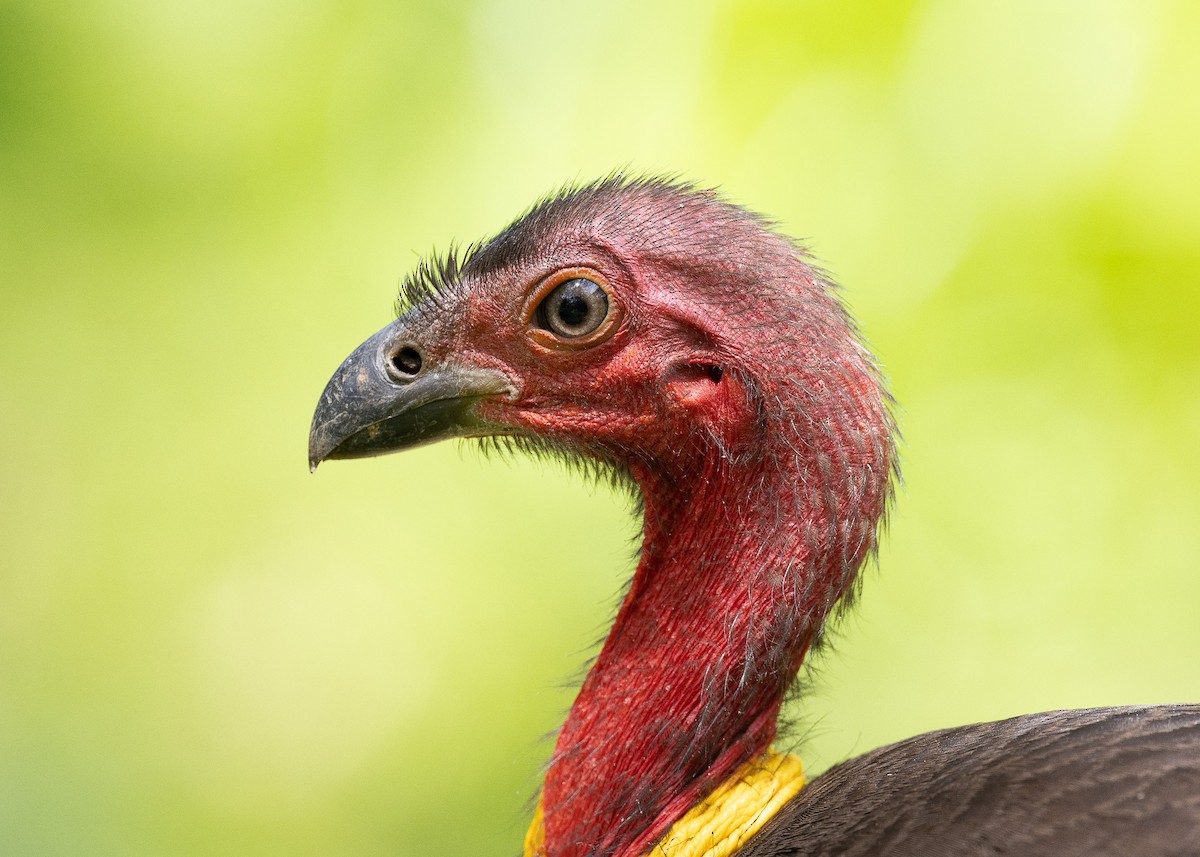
(406, 361)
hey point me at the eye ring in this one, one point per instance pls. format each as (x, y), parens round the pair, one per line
(572, 308)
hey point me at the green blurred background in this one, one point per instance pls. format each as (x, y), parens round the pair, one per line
(205, 206)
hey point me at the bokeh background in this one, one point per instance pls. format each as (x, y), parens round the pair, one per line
(205, 206)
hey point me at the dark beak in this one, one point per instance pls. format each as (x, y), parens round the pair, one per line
(387, 397)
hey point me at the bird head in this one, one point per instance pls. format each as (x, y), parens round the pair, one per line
(643, 324)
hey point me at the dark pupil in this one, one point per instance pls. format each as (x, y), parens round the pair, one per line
(573, 309)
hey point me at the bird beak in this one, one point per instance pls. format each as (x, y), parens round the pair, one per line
(387, 397)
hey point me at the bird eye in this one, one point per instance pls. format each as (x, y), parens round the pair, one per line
(574, 309)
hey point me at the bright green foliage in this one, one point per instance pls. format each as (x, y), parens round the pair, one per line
(204, 207)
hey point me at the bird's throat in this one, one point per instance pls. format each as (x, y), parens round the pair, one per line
(689, 683)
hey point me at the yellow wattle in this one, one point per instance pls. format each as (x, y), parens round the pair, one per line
(725, 820)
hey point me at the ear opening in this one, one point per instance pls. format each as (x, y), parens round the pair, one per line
(699, 370)
(702, 381)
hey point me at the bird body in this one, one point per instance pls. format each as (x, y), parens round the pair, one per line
(1103, 782)
(677, 342)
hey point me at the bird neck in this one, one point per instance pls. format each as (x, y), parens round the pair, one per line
(739, 570)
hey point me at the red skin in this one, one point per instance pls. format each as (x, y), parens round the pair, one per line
(735, 392)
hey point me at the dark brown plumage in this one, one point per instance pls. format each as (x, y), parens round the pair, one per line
(676, 340)
(1105, 782)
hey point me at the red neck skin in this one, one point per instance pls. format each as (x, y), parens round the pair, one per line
(743, 559)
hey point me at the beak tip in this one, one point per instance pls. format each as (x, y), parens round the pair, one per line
(321, 442)
(319, 449)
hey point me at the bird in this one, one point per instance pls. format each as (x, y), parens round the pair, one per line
(664, 337)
